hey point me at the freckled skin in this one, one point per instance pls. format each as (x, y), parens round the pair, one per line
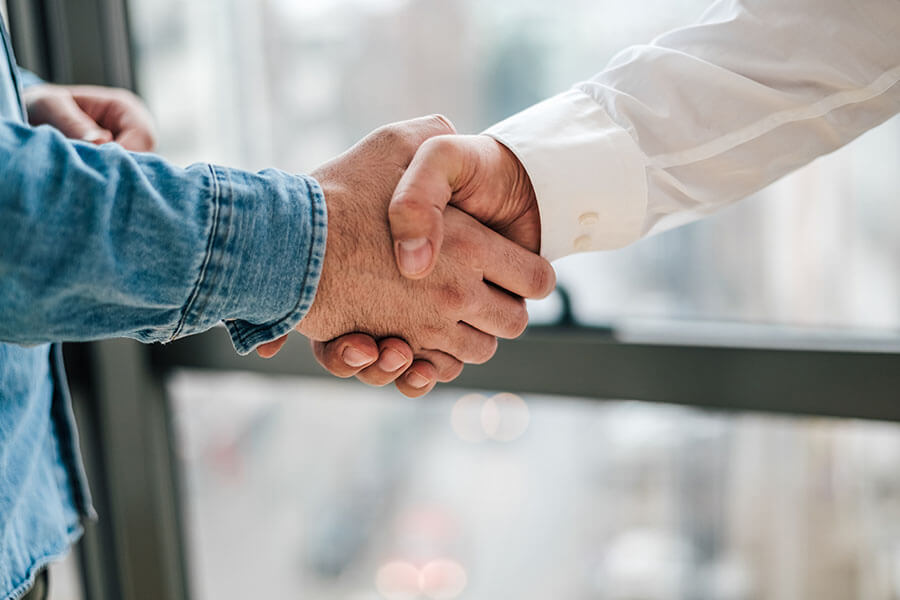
(361, 289)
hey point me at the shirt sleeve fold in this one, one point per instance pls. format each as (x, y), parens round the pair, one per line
(702, 116)
(98, 242)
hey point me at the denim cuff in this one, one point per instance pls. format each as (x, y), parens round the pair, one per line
(264, 256)
(28, 79)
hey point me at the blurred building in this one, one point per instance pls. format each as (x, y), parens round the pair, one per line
(307, 487)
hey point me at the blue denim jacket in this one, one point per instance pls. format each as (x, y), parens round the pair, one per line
(98, 242)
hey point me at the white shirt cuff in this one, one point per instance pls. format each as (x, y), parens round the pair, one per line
(588, 174)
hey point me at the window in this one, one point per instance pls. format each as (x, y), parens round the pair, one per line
(313, 486)
(327, 489)
(334, 490)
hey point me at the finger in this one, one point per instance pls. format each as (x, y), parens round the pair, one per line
(399, 142)
(346, 355)
(430, 367)
(121, 112)
(469, 345)
(507, 264)
(417, 206)
(447, 368)
(394, 355)
(415, 132)
(419, 379)
(76, 124)
(136, 139)
(270, 349)
(497, 313)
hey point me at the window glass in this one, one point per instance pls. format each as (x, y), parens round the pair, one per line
(278, 82)
(328, 489)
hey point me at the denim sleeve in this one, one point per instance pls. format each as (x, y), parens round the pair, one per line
(98, 242)
(27, 78)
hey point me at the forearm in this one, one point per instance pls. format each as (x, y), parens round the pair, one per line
(706, 115)
(99, 242)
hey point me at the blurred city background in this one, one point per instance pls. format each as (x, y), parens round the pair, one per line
(332, 490)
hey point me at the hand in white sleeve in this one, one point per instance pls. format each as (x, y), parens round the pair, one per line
(704, 116)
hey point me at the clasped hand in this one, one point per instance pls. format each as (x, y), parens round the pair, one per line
(431, 243)
(435, 285)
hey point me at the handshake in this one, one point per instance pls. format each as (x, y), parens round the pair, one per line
(431, 250)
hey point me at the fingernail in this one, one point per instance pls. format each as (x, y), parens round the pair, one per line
(416, 380)
(354, 357)
(391, 360)
(94, 135)
(415, 255)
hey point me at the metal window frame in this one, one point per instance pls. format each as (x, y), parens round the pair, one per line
(73, 41)
(813, 379)
(137, 550)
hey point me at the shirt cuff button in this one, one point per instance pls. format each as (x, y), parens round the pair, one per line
(589, 218)
(583, 243)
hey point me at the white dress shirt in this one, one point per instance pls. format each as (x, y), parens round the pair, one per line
(705, 115)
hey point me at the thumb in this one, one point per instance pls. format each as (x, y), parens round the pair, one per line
(417, 207)
(270, 349)
(75, 124)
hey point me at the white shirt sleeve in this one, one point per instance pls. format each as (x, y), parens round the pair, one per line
(705, 115)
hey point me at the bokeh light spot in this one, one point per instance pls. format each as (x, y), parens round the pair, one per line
(443, 579)
(466, 418)
(505, 417)
(398, 580)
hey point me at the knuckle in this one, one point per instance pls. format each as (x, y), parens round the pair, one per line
(386, 135)
(464, 246)
(439, 145)
(481, 351)
(441, 124)
(541, 281)
(404, 200)
(450, 371)
(518, 320)
(453, 298)
(485, 351)
(394, 139)
(431, 335)
(410, 208)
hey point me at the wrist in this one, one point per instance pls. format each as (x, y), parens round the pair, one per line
(523, 222)
(523, 189)
(271, 240)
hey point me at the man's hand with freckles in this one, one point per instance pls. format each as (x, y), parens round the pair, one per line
(479, 176)
(427, 327)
